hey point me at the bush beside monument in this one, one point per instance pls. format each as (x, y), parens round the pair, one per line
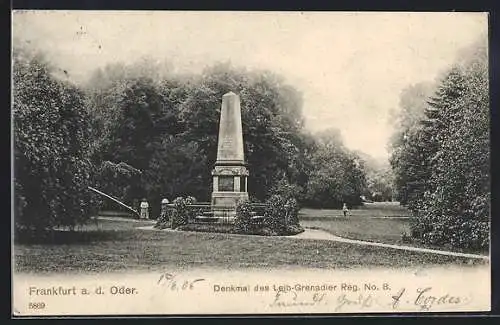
(277, 217)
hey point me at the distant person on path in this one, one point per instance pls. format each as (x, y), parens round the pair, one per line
(144, 209)
(345, 210)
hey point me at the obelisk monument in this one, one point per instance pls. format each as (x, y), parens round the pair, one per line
(230, 174)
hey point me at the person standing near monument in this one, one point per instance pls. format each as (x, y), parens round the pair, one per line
(345, 210)
(144, 209)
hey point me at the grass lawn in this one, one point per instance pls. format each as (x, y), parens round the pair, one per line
(377, 230)
(383, 222)
(377, 210)
(117, 246)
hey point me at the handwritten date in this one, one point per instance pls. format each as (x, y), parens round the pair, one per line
(171, 282)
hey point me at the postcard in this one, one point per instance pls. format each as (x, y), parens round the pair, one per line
(255, 163)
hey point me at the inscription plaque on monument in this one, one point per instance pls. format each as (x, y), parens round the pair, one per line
(226, 183)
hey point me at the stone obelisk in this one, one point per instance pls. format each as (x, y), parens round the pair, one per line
(230, 173)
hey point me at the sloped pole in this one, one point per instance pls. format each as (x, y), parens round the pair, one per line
(112, 198)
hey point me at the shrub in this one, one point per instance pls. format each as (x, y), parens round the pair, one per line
(275, 213)
(164, 220)
(180, 213)
(190, 212)
(463, 225)
(280, 214)
(243, 222)
(293, 211)
(457, 231)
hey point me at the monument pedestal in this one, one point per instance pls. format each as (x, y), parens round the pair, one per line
(229, 187)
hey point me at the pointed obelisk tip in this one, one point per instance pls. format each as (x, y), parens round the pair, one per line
(229, 94)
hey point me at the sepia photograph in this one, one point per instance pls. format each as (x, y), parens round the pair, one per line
(249, 163)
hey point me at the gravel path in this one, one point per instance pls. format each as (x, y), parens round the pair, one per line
(323, 235)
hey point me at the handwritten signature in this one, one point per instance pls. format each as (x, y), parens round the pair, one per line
(293, 299)
(289, 299)
(361, 301)
(424, 299)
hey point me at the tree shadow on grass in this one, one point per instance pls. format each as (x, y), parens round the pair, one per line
(63, 237)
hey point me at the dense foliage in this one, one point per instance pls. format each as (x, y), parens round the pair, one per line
(278, 216)
(338, 176)
(180, 212)
(51, 131)
(379, 179)
(281, 217)
(167, 129)
(243, 222)
(136, 131)
(442, 159)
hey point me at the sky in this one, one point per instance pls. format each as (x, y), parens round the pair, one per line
(350, 66)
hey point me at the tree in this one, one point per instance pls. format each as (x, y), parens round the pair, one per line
(379, 178)
(447, 156)
(408, 157)
(51, 154)
(337, 177)
(457, 207)
(271, 124)
(168, 127)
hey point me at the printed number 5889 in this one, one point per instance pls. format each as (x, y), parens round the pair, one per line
(36, 305)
